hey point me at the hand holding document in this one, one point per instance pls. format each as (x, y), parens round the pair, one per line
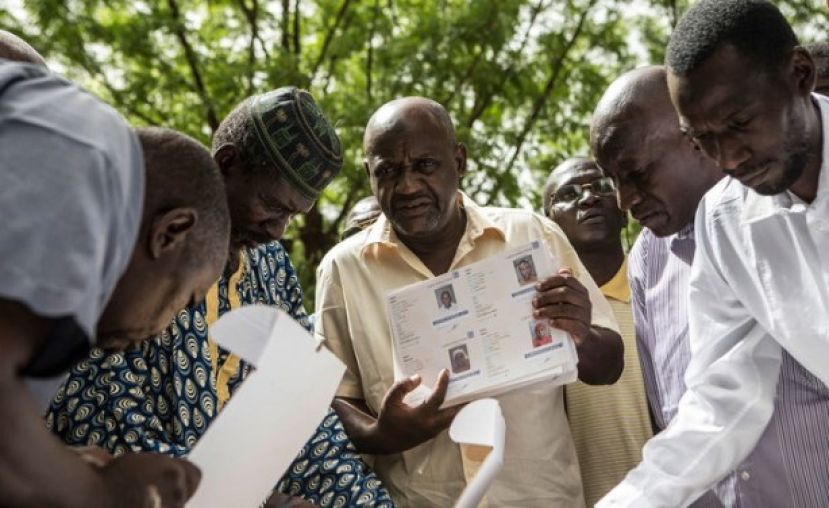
(478, 322)
(271, 416)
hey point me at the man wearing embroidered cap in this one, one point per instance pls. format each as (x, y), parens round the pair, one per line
(276, 151)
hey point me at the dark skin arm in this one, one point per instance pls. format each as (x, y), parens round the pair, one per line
(566, 303)
(399, 426)
(37, 470)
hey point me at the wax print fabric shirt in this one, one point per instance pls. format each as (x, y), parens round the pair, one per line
(540, 465)
(759, 290)
(610, 424)
(71, 194)
(162, 396)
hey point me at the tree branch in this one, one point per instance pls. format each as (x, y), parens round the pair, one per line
(286, 20)
(329, 36)
(479, 106)
(193, 63)
(251, 14)
(541, 100)
(296, 29)
(370, 55)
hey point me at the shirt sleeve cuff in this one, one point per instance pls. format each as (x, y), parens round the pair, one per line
(624, 495)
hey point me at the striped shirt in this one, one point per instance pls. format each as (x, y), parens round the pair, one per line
(610, 424)
(789, 466)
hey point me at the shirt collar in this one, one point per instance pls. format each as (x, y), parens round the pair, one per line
(478, 224)
(618, 287)
(757, 207)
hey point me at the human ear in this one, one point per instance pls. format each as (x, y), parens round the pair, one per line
(460, 159)
(169, 230)
(803, 70)
(226, 157)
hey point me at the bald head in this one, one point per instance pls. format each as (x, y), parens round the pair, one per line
(393, 118)
(414, 166)
(16, 49)
(635, 135)
(630, 103)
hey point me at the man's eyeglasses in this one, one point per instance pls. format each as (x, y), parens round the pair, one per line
(570, 193)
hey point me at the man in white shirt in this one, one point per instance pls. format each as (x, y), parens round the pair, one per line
(743, 90)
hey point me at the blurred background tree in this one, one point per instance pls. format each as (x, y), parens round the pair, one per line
(520, 78)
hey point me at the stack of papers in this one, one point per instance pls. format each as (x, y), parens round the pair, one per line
(477, 322)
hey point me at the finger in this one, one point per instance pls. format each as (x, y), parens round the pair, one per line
(439, 392)
(400, 388)
(192, 477)
(563, 278)
(561, 295)
(565, 270)
(564, 311)
(153, 497)
(577, 329)
(445, 416)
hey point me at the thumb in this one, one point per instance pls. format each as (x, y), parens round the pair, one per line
(399, 389)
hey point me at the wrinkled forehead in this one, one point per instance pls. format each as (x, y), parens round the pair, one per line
(406, 128)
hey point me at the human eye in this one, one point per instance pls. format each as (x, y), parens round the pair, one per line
(740, 122)
(427, 164)
(383, 169)
(566, 194)
(604, 186)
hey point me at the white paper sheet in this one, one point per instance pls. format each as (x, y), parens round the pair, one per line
(477, 322)
(480, 423)
(271, 416)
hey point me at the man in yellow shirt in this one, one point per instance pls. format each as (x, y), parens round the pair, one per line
(610, 424)
(427, 228)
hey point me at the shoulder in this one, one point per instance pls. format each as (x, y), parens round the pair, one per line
(345, 252)
(723, 201)
(513, 220)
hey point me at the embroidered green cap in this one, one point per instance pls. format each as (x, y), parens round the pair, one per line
(298, 138)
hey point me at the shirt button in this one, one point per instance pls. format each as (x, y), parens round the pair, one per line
(745, 476)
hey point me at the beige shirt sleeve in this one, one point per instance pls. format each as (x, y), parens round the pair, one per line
(566, 256)
(331, 327)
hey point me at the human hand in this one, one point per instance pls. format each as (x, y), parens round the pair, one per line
(149, 480)
(401, 426)
(93, 455)
(280, 500)
(565, 302)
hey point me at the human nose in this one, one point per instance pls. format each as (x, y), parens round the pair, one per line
(407, 182)
(729, 152)
(587, 196)
(627, 196)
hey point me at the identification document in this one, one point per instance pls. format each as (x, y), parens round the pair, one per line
(477, 322)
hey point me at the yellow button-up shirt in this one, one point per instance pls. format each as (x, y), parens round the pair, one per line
(610, 424)
(540, 465)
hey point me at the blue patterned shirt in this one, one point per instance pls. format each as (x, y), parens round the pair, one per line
(162, 396)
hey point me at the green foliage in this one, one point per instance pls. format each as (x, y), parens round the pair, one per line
(520, 78)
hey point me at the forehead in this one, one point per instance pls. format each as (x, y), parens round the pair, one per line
(275, 190)
(576, 172)
(727, 80)
(408, 130)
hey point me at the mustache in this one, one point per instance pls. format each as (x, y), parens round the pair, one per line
(404, 201)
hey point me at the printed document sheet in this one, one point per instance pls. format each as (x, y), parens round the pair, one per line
(477, 322)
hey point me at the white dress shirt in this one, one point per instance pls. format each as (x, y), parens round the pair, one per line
(759, 285)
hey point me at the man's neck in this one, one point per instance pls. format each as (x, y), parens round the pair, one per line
(602, 261)
(806, 186)
(438, 250)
